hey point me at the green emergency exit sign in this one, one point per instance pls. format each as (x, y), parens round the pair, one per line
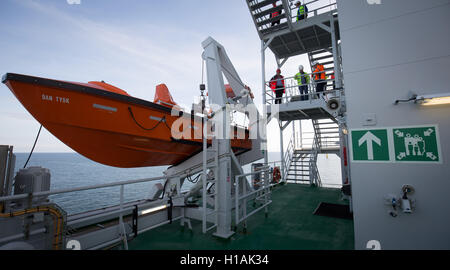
(370, 145)
(418, 144)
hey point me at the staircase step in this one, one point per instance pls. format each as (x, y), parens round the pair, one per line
(322, 57)
(292, 170)
(329, 132)
(268, 12)
(327, 123)
(328, 128)
(327, 63)
(320, 51)
(262, 4)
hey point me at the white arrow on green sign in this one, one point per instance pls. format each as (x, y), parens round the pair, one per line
(370, 145)
(369, 139)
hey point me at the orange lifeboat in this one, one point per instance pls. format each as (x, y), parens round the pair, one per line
(107, 125)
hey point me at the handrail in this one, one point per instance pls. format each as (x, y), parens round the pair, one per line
(288, 157)
(70, 190)
(292, 12)
(314, 170)
(312, 95)
(264, 191)
(314, 12)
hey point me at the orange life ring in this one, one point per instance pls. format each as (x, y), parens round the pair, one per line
(276, 175)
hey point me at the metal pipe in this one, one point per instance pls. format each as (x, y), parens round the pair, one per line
(236, 200)
(205, 161)
(21, 235)
(263, 75)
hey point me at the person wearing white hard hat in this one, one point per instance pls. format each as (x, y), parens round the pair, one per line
(302, 12)
(303, 81)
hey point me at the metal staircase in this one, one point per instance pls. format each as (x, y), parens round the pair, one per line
(326, 58)
(262, 11)
(327, 134)
(301, 160)
(317, 36)
(299, 172)
(292, 37)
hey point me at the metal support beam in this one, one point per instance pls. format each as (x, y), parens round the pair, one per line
(264, 101)
(336, 56)
(287, 12)
(281, 148)
(284, 61)
(324, 27)
(267, 44)
(3, 167)
(283, 127)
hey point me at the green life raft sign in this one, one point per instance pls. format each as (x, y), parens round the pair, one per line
(418, 144)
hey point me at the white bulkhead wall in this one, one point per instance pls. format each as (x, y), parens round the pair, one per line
(390, 51)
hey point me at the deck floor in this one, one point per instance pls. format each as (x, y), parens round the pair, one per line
(290, 225)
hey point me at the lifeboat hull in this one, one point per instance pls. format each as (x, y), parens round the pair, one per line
(107, 127)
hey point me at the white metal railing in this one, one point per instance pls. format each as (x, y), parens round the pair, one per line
(292, 90)
(314, 11)
(120, 184)
(263, 193)
(313, 169)
(287, 159)
(315, 8)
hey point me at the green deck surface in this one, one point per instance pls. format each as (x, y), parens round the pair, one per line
(289, 225)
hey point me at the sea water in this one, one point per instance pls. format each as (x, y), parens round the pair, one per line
(71, 170)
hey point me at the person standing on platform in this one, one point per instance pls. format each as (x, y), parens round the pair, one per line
(302, 12)
(303, 81)
(276, 13)
(319, 77)
(278, 87)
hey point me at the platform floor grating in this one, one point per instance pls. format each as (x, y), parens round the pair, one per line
(290, 225)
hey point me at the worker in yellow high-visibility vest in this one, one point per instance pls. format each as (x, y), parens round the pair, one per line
(303, 82)
(302, 12)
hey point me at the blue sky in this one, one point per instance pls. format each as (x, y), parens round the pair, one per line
(133, 44)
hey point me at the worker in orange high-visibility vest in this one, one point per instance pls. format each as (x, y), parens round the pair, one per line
(276, 13)
(319, 77)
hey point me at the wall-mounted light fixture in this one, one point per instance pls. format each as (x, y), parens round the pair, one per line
(437, 99)
(428, 100)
